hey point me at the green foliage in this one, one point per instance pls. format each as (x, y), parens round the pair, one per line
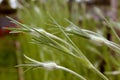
(40, 36)
(77, 50)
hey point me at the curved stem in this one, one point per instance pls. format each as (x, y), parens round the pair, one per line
(72, 72)
(99, 73)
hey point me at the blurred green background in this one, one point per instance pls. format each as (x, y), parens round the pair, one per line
(36, 13)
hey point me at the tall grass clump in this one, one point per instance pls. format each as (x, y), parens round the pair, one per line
(59, 48)
(40, 36)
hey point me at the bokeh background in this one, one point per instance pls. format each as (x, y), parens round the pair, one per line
(36, 13)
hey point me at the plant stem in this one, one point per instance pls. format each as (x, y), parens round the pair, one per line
(99, 73)
(72, 72)
(19, 61)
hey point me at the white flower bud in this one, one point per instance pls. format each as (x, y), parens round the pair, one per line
(97, 40)
(50, 65)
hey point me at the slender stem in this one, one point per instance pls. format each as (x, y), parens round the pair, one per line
(72, 72)
(19, 61)
(99, 73)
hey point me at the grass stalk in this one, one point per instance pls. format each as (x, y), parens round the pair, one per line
(49, 66)
(107, 22)
(51, 42)
(99, 73)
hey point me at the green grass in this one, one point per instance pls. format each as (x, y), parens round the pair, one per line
(78, 50)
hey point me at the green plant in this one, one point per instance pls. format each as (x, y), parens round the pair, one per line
(58, 44)
(40, 36)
